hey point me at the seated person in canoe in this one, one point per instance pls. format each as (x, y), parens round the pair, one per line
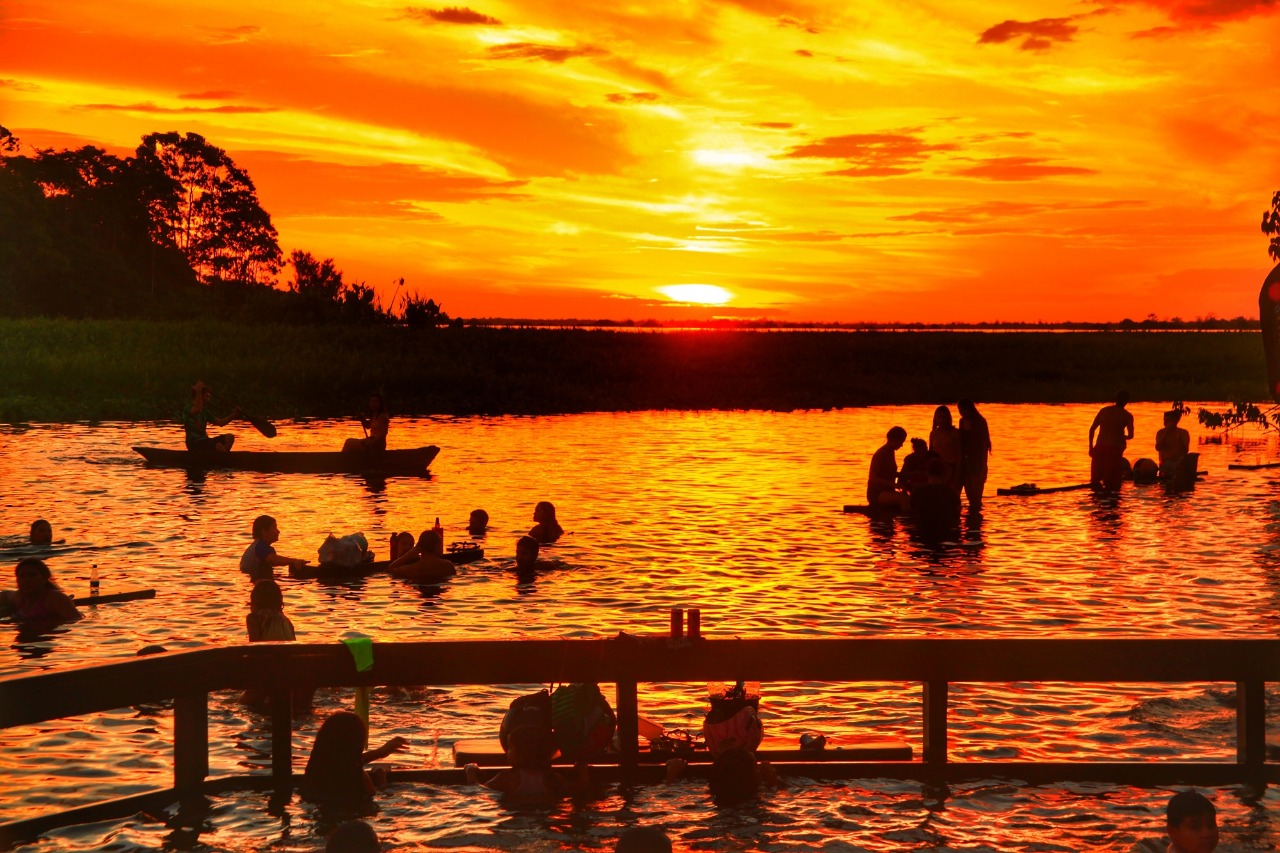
(882, 479)
(196, 419)
(547, 530)
(376, 422)
(1172, 443)
(1113, 427)
(424, 562)
(260, 558)
(41, 532)
(37, 598)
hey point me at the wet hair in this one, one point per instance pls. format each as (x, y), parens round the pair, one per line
(531, 747)
(477, 521)
(1122, 397)
(335, 769)
(40, 566)
(919, 445)
(941, 416)
(896, 433)
(431, 542)
(1185, 804)
(545, 509)
(266, 594)
(936, 468)
(733, 776)
(353, 836)
(527, 543)
(45, 529)
(261, 524)
(643, 839)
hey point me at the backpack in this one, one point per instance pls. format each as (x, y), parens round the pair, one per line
(533, 710)
(582, 720)
(733, 722)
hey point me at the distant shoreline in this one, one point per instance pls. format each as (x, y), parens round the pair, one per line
(90, 370)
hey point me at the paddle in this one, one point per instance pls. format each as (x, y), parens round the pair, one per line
(262, 425)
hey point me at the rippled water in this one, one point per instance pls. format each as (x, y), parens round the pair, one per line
(733, 512)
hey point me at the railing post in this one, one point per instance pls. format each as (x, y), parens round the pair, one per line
(628, 726)
(282, 738)
(190, 742)
(1251, 726)
(935, 723)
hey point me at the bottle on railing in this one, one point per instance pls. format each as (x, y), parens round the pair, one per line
(93, 580)
(439, 531)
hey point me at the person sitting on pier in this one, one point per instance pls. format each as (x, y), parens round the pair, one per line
(37, 598)
(353, 836)
(41, 532)
(1113, 427)
(547, 530)
(377, 423)
(915, 465)
(260, 558)
(424, 562)
(1192, 823)
(530, 750)
(335, 774)
(196, 420)
(477, 523)
(1172, 443)
(882, 479)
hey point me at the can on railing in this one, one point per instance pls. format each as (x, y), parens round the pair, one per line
(677, 623)
(695, 623)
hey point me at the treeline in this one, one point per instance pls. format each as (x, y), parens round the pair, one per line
(58, 370)
(175, 231)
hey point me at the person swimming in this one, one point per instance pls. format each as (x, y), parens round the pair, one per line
(547, 530)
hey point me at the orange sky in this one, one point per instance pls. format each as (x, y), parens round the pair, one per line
(817, 161)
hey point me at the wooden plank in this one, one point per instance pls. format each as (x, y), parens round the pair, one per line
(113, 597)
(872, 511)
(628, 724)
(1251, 725)
(1240, 467)
(190, 741)
(282, 737)
(1019, 491)
(936, 695)
(487, 752)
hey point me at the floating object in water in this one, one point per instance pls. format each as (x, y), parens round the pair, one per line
(488, 752)
(412, 461)
(113, 598)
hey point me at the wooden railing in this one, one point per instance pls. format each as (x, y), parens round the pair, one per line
(187, 678)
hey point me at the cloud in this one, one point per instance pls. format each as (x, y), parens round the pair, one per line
(774, 125)
(1020, 169)
(148, 107)
(547, 52)
(451, 15)
(213, 95)
(873, 155)
(789, 21)
(631, 97)
(231, 35)
(804, 53)
(1192, 14)
(18, 85)
(634, 71)
(1036, 35)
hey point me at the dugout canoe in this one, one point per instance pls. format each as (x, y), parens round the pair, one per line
(411, 461)
(458, 553)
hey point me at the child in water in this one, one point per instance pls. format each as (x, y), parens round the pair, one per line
(260, 558)
(37, 598)
(266, 619)
(41, 532)
(424, 562)
(335, 774)
(547, 530)
(735, 775)
(478, 523)
(530, 777)
(1192, 823)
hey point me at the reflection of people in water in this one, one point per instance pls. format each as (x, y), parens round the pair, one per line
(37, 598)
(547, 530)
(41, 532)
(1172, 443)
(975, 447)
(882, 478)
(1113, 426)
(196, 420)
(377, 422)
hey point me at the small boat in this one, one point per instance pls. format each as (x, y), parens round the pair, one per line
(458, 553)
(411, 461)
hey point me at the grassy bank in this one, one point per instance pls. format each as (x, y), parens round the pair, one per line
(61, 370)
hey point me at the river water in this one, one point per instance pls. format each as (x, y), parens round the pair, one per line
(737, 513)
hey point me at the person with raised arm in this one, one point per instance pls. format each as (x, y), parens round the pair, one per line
(196, 419)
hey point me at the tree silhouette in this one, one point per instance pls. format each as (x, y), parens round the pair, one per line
(207, 206)
(8, 142)
(314, 278)
(1271, 226)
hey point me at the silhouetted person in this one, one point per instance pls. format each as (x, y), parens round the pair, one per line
(353, 836)
(477, 523)
(915, 465)
(1192, 823)
(975, 447)
(41, 532)
(935, 506)
(643, 839)
(376, 423)
(196, 420)
(1113, 426)
(1172, 443)
(882, 479)
(944, 440)
(527, 555)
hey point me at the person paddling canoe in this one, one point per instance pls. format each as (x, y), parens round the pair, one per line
(376, 423)
(196, 419)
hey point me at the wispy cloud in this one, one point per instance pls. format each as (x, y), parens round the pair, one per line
(451, 15)
(1036, 35)
(546, 52)
(1020, 169)
(148, 107)
(873, 155)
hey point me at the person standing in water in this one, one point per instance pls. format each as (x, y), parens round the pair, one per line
(944, 440)
(975, 447)
(1113, 426)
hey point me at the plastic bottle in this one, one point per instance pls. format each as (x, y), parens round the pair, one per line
(93, 580)
(439, 531)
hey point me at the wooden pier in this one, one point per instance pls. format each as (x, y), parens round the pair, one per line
(628, 661)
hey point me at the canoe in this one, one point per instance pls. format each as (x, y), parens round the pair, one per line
(458, 553)
(1032, 489)
(412, 461)
(487, 752)
(1241, 467)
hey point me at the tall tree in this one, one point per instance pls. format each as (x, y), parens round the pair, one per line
(1271, 226)
(207, 206)
(314, 278)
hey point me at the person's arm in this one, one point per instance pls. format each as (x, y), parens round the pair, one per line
(62, 606)
(281, 560)
(8, 600)
(251, 625)
(1128, 427)
(411, 556)
(1093, 429)
(235, 413)
(396, 744)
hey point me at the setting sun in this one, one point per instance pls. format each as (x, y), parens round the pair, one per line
(701, 294)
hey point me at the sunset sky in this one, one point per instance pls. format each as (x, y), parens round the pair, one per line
(911, 161)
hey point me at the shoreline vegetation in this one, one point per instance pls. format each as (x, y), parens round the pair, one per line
(59, 370)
